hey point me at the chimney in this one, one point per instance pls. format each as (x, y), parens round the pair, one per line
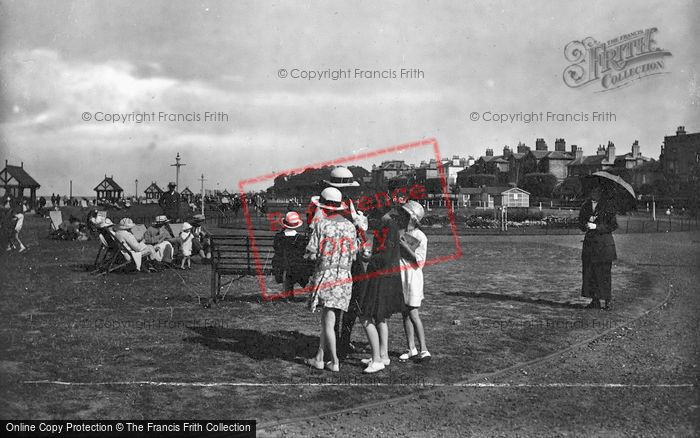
(680, 130)
(21, 164)
(611, 152)
(489, 152)
(506, 152)
(579, 151)
(635, 149)
(573, 149)
(540, 145)
(560, 145)
(601, 150)
(522, 148)
(5, 163)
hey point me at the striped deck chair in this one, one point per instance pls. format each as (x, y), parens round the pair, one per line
(56, 220)
(102, 252)
(117, 255)
(175, 229)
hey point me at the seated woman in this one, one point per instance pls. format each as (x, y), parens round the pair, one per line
(124, 236)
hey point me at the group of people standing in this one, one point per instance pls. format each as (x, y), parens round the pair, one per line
(363, 266)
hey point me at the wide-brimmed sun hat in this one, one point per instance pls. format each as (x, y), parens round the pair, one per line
(330, 199)
(292, 220)
(162, 219)
(198, 218)
(126, 224)
(186, 226)
(415, 210)
(341, 177)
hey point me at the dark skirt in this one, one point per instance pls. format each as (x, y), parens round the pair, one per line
(597, 280)
(382, 297)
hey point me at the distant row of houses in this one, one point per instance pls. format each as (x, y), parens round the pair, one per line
(680, 155)
(513, 164)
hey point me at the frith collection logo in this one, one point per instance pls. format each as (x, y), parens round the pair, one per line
(615, 63)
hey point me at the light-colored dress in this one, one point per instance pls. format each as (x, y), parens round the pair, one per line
(333, 245)
(412, 273)
(186, 247)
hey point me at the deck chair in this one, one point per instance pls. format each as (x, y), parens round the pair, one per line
(118, 255)
(56, 220)
(175, 229)
(102, 252)
(138, 231)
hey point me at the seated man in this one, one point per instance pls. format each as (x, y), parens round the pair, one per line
(124, 236)
(202, 241)
(161, 239)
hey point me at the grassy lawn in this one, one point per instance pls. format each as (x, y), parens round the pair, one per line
(507, 300)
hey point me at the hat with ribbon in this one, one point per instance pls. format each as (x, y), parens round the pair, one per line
(330, 199)
(126, 224)
(292, 220)
(341, 177)
(162, 219)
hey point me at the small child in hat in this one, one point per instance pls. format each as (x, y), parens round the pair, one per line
(186, 238)
(414, 245)
(288, 263)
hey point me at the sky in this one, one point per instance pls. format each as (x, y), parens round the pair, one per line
(62, 60)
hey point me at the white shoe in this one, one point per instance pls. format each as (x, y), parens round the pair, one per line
(409, 354)
(386, 361)
(424, 356)
(374, 367)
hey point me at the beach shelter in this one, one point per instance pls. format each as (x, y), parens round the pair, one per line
(109, 189)
(153, 192)
(16, 180)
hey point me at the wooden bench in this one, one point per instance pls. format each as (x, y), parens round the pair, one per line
(234, 255)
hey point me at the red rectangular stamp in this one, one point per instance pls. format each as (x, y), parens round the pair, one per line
(372, 202)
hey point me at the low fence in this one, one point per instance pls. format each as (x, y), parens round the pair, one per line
(626, 225)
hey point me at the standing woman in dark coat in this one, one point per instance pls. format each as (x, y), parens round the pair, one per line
(597, 220)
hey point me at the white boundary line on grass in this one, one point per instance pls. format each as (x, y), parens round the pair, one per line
(376, 383)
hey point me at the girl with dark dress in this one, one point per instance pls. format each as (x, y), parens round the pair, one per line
(383, 295)
(597, 220)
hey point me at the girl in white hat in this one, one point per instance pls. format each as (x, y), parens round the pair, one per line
(414, 247)
(186, 238)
